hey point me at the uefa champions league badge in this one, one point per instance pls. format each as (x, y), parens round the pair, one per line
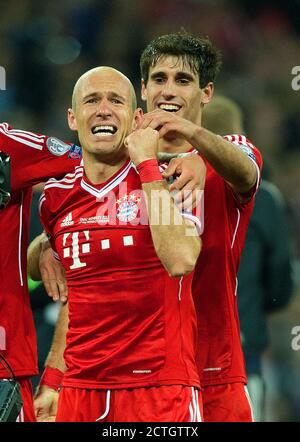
(127, 207)
(57, 147)
(247, 150)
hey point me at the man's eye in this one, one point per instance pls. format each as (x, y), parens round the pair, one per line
(183, 80)
(159, 80)
(115, 101)
(92, 100)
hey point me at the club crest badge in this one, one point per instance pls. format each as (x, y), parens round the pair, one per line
(127, 207)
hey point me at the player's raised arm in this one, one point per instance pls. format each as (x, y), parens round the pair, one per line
(175, 239)
(229, 160)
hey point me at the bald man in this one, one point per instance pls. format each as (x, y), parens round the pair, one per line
(132, 327)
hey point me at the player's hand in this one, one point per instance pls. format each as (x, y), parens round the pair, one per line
(187, 188)
(53, 274)
(45, 404)
(170, 125)
(142, 144)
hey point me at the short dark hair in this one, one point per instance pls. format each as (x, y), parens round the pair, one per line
(197, 52)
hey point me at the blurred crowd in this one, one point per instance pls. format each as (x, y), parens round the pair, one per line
(45, 46)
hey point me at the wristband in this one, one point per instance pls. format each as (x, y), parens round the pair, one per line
(149, 171)
(52, 377)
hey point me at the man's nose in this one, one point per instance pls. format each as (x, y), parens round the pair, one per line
(168, 90)
(104, 108)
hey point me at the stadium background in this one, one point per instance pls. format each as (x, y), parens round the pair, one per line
(45, 46)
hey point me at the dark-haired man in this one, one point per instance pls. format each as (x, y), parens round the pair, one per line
(265, 273)
(178, 71)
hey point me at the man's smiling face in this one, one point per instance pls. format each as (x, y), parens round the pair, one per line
(174, 87)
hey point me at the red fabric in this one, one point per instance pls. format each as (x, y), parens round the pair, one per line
(31, 162)
(27, 411)
(149, 171)
(227, 403)
(52, 377)
(130, 324)
(220, 357)
(174, 403)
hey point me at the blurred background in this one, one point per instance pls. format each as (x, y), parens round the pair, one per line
(46, 46)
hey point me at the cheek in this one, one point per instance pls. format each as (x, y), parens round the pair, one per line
(126, 123)
(195, 102)
(152, 93)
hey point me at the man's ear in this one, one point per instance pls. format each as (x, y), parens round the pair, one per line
(137, 119)
(207, 93)
(143, 90)
(72, 120)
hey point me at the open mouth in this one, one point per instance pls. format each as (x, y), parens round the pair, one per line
(169, 107)
(104, 130)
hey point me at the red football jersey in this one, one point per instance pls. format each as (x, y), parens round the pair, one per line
(130, 323)
(34, 158)
(220, 357)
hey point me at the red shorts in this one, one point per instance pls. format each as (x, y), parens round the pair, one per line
(175, 403)
(227, 403)
(27, 411)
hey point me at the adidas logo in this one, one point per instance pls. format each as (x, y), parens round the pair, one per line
(67, 221)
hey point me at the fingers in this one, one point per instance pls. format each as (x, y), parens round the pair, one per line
(53, 276)
(186, 192)
(171, 170)
(45, 405)
(56, 289)
(166, 129)
(186, 200)
(51, 288)
(155, 119)
(48, 419)
(41, 412)
(63, 291)
(43, 415)
(183, 182)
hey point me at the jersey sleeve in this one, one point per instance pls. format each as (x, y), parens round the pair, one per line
(35, 157)
(255, 156)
